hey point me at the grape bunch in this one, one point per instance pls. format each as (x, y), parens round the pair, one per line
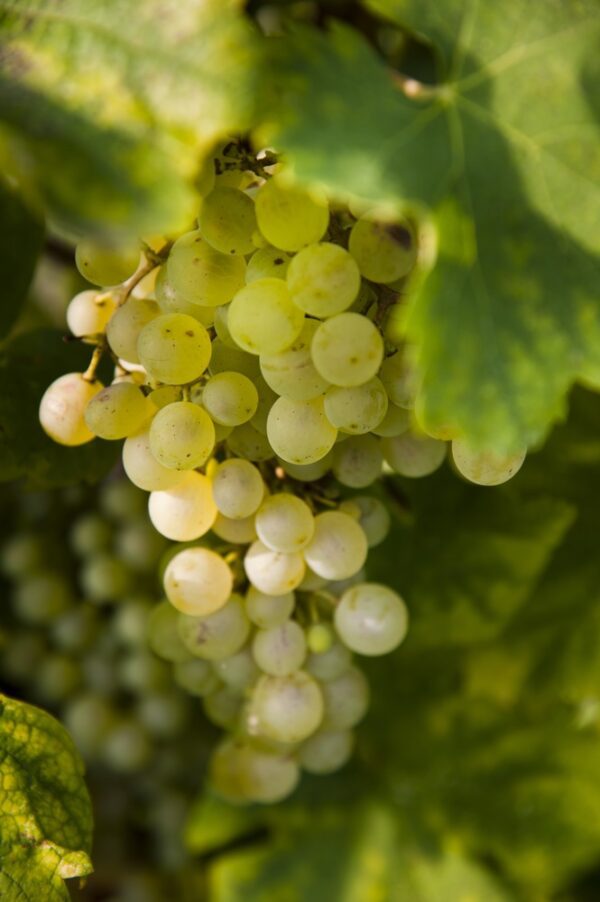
(256, 380)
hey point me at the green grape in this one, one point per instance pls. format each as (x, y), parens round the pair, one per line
(266, 610)
(75, 630)
(127, 748)
(195, 676)
(185, 512)
(338, 548)
(102, 264)
(217, 635)
(225, 359)
(62, 409)
(326, 751)
(89, 719)
(117, 411)
(126, 325)
(174, 348)
(230, 398)
(130, 621)
(266, 399)
(247, 442)
(263, 319)
(164, 395)
(221, 432)
(311, 581)
(485, 467)
(280, 650)
(384, 251)
(273, 572)
(413, 455)
(223, 707)
(163, 714)
(56, 678)
(291, 373)
(309, 472)
(371, 619)
(42, 597)
(323, 279)
(240, 772)
(197, 581)
(319, 638)
(88, 313)
(356, 410)
(239, 532)
(286, 708)
(222, 326)
(284, 523)
(395, 422)
(237, 488)
(299, 432)
(399, 379)
(227, 221)
(288, 217)
(141, 672)
(90, 533)
(171, 302)
(105, 578)
(122, 501)
(237, 671)
(347, 350)
(357, 462)
(373, 517)
(182, 436)
(142, 467)
(202, 275)
(267, 263)
(163, 635)
(22, 554)
(346, 700)
(140, 546)
(204, 181)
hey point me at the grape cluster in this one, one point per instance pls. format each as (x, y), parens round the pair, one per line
(255, 375)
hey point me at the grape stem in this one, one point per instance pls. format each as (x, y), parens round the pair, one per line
(153, 259)
(90, 373)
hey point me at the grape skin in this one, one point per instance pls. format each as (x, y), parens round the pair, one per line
(62, 409)
(197, 581)
(371, 619)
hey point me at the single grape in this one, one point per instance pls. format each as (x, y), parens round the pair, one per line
(358, 409)
(247, 442)
(225, 359)
(227, 221)
(142, 467)
(197, 581)
(280, 650)
(117, 411)
(141, 672)
(174, 348)
(243, 773)
(400, 380)
(172, 302)
(338, 547)
(182, 436)
(371, 619)
(288, 217)
(413, 455)
(384, 251)
(285, 708)
(347, 349)
(395, 422)
(263, 319)
(89, 718)
(90, 533)
(346, 700)
(127, 748)
(299, 432)
(130, 621)
(163, 634)
(326, 751)
(308, 472)
(163, 714)
(373, 517)
(485, 467)
(266, 399)
(230, 398)
(291, 373)
(273, 572)
(319, 638)
(202, 275)
(196, 676)
(89, 312)
(323, 279)
(357, 462)
(218, 635)
(222, 325)
(105, 578)
(267, 611)
(102, 264)
(223, 707)
(42, 597)
(75, 630)
(238, 488)
(267, 263)
(237, 671)
(22, 554)
(63, 406)
(126, 324)
(284, 523)
(122, 501)
(239, 532)
(185, 512)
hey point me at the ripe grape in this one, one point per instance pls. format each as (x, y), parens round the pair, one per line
(371, 619)
(284, 523)
(182, 436)
(338, 548)
(202, 275)
(346, 700)
(126, 324)
(230, 398)
(358, 461)
(142, 467)
(197, 581)
(267, 263)
(347, 349)
(217, 635)
(280, 650)
(262, 317)
(163, 634)
(174, 348)
(485, 467)
(384, 251)
(89, 312)
(413, 455)
(227, 220)
(62, 409)
(186, 511)
(323, 279)
(286, 708)
(288, 217)
(266, 610)
(105, 264)
(291, 372)
(273, 572)
(299, 432)
(117, 411)
(358, 409)
(326, 751)
(238, 488)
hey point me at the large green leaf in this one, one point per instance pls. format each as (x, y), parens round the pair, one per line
(23, 233)
(108, 106)
(45, 811)
(505, 150)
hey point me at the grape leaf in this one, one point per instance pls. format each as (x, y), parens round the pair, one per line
(28, 364)
(509, 316)
(45, 810)
(20, 230)
(108, 106)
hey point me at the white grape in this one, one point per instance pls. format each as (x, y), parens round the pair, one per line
(202, 275)
(399, 379)
(117, 411)
(174, 348)
(125, 326)
(299, 431)
(395, 422)
(197, 581)
(248, 442)
(223, 707)
(239, 532)
(238, 488)
(273, 572)
(284, 523)
(330, 664)
(238, 671)
(263, 319)
(186, 511)
(63, 406)
(326, 751)
(217, 635)
(288, 217)
(267, 263)
(280, 650)
(163, 636)
(371, 619)
(384, 251)
(346, 700)
(172, 302)
(228, 359)
(358, 461)
(242, 773)
(230, 398)
(182, 436)
(267, 611)
(347, 349)
(286, 709)
(309, 472)
(356, 410)
(485, 467)
(103, 264)
(89, 312)
(338, 548)
(227, 220)
(323, 279)
(292, 373)
(413, 455)
(372, 515)
(195, 675)
(142, 467)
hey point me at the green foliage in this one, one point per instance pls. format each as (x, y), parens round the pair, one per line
(45, 813)
(21, 231)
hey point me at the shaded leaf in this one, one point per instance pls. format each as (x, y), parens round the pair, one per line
(23, 233)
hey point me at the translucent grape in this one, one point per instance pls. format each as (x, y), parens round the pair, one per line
(309, 472)
(182, 436)
(195, 676)
(267, 263)
(280, 650)
(105, 578)
(319, 637)
(413, 455)
(163, 635)
(121, 500)
(400, 380)
(105, 265)
(76, 630)
(222, 326)
(338, 547)
(330, 664)
(356, 410)
(284, 522)
(186, 511)
(373, 517)
(174, 348)
(347, 349)
(485, 467)
(239, 532)
(89, 312)
(171, 302)
(237, 671)
(227, 220)
(218, 635)
(326, 751)
(395, 422)
(117, 411)
(90, 533)
(230, 398)
(130, 621)
(42, 597)
(266, 399)
(323, 279)
(126, 324)
(371, 619)
(228, 359)
(197, 581)
(383, 251)
(311, 581)
(88, 718)
(142, 467)
(62, 409)
(248, 442)
(291, 373)
(267, 611)
(22, 553)
(346, 700)
(127, 748)
(299, 431)
(202, 275)
(242, 773)
(140, 546)
(224, 707)
(357, 462)
(263, 319)
(273, 572)
(288, 217)
(164, 714)
(238, 488)
(286, 709)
